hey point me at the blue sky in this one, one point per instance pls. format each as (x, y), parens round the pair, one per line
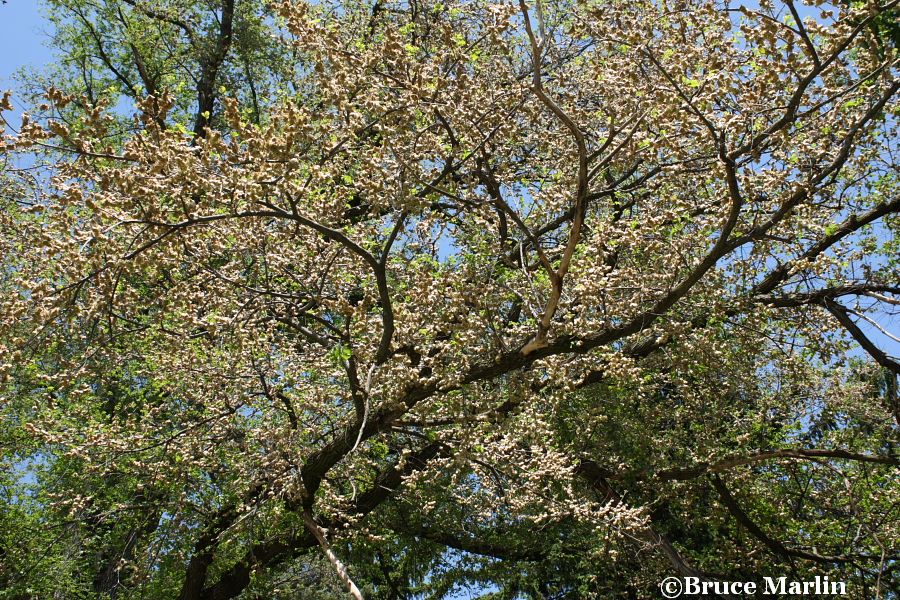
(23, 33)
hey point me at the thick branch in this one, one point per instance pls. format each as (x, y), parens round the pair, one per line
(209, 70)
(842, 315)
(771, 543)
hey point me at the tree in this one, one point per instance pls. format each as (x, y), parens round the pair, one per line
(118, 50)
(556, 299)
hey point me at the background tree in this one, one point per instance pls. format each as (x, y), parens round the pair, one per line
(551, 300)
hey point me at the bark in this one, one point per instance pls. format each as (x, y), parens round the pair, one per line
(209, 70)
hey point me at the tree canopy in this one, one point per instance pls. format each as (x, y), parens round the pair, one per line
(540, 299)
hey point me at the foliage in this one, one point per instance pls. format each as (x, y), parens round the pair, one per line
(545, 300)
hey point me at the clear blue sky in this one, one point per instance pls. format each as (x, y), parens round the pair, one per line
(23, 33)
